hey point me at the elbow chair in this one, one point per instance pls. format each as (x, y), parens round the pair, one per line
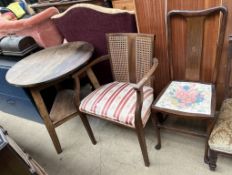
(127, 100)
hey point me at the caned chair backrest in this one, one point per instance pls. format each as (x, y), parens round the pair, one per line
(130, 55)
(194, 53)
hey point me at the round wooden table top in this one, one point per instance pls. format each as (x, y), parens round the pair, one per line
(50, 64)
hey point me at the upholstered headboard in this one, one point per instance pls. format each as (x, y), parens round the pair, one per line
(87, 22)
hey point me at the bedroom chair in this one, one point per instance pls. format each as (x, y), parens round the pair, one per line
(192, 95)
(127, 100)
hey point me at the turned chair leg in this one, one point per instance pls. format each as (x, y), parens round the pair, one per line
(85, 121)
(209, 125)
(206, 157)
(157, 129)
(212, 160)
(143, 146)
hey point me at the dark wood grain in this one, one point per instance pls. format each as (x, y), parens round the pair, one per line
(195, 27)
(193, 54)
(49, 64)
(222, 81)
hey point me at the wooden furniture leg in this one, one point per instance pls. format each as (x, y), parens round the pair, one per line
(209, 124)
(47, 121)
(142, 143)
(88, 128)
(157, 129)
(212, 160)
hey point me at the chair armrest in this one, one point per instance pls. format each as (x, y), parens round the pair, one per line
(139, 93)
(91, 75)
(91, 64)
(146, 77)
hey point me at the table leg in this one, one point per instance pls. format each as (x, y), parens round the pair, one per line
(45, 115)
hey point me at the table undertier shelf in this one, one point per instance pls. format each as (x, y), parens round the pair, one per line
(63, 107)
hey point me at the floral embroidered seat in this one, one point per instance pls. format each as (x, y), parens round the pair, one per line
(187, 97)
(221, 137)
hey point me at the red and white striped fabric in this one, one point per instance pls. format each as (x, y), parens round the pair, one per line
(117, 101)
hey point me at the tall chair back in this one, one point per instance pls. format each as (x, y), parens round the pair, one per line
(193, 62)
(131, 56)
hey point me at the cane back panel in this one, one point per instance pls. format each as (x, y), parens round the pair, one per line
(131, 56)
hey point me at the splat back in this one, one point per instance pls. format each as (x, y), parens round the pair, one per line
(131, 56)
(194, 41)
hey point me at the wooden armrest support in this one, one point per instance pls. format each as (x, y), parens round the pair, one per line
(146, 77)
(89, 66)
(139, 92)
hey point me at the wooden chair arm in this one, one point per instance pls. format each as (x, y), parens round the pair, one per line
(146, 77)
(139, 93)
(91, 64)
(89, 71)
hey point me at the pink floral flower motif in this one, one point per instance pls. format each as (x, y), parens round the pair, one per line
(186, 95)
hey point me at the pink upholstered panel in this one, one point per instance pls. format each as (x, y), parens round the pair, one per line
(117, 101)
(39, 26)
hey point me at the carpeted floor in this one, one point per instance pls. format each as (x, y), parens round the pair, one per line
(116, 153)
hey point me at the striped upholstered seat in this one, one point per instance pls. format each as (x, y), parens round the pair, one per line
(117, 101)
